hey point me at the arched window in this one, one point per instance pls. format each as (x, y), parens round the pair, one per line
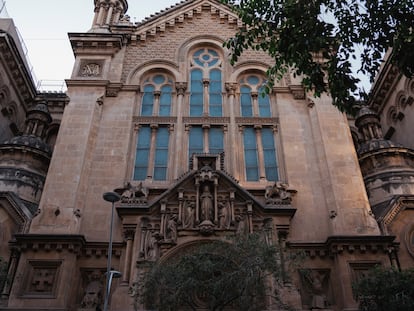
(254, 102)
(206, 83)
(157, 96)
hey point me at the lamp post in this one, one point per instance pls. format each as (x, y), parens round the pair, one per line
(110, 197)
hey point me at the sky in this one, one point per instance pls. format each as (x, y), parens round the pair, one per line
(44, 25)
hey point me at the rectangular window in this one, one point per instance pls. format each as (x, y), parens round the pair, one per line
(269, 153)
(142, 153)
(250, 154)
(161, 154)
(215, 140)
(196, 140)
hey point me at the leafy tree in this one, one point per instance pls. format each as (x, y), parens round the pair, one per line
(214, 275)
(386, 290)
(319, 39)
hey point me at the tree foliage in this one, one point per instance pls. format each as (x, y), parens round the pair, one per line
(386, 290)
(322, 39)
(214, 275)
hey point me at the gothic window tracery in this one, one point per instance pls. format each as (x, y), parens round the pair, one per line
(157, 95)
(206, 83)
(254, 102)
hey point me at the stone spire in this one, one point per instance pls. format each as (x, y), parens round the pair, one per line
(107, 13)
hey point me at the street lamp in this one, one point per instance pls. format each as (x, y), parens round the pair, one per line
(110, 197)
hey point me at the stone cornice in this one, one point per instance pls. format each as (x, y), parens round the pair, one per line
(338, 245)
(75, 243)
(206, 120)
(383, 86)
(180, 13)
(154, 120)
(256, 121)
(96, 43)
(16, 67)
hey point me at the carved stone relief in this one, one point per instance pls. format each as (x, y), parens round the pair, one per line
(91, 68)
(93, 293)
(315, 289)
(41, 278)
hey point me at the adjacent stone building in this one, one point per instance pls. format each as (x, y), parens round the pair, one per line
(155, 112)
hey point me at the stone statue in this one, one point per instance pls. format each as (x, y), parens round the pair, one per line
(224, 214)
(207, 206)
(151, 245)
(241, 225)
(189, 215)
(171, 232)
(92, 298)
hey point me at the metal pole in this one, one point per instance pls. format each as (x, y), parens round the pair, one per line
(110, 197)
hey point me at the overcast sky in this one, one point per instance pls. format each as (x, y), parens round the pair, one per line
(44, 25)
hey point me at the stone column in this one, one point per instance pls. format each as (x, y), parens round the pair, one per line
(129, 233)
(260, 155)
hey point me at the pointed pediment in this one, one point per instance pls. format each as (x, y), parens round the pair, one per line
(186, 10)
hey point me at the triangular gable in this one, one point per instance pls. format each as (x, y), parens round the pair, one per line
(179, 13)
(205, 201)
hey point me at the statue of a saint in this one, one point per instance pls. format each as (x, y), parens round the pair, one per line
(188, 221)
(207, 207)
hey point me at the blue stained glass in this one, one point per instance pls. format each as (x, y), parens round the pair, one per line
(212, 52)
(147, 100)
(250, 154)
(253, 80)
(198, 52)
(196, 140)
(158, 79)
(215, 93)
(215, 140)
(264, 103)
(196, 97)
(213, 62)
(269, 153)
(246, 101)
(165, 100)
(161, 154)
(142, 153)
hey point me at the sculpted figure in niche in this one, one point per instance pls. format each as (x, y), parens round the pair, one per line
(171, 231)
(189, 211)
(207, 206)
(241, 225)
(316, 280)
(92, 298)
(151, 245)
(224, 214)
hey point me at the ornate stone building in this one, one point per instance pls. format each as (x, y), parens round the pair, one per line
(158, 115)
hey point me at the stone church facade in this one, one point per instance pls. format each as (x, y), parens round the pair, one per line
(155, 112)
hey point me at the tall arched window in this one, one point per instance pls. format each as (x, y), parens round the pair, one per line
(157, 96)
(206, 83)
(254, 102)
